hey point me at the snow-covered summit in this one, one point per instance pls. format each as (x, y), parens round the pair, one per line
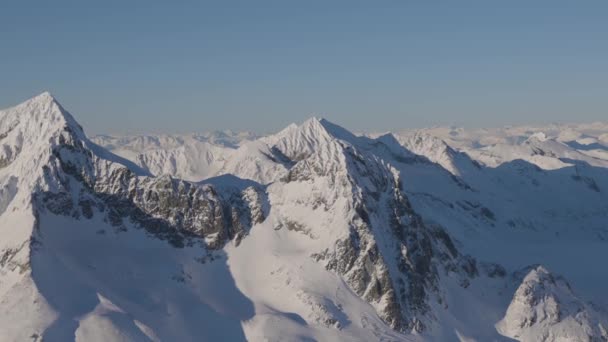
(28, 134)
(545, 307)
(299, 140)
(37, 119)
(52, 178)
(353, 238)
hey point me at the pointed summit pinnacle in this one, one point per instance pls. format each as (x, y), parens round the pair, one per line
(43, 98)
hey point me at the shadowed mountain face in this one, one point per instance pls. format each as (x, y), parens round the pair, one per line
(312, 233)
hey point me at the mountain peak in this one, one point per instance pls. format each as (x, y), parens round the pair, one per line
(31, 126)
(43, 102)
(298, 141)
(311, 128)
(43, 112)
(314, 119)
(545, 307)
(313, 122)
(324, 126)
(44, 97)
(318, 121)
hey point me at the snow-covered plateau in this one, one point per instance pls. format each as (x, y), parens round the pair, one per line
(310, 234)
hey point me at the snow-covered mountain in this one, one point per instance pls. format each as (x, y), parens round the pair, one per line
(191, 156)
(545, 146)
(544, 307)
(312, 233)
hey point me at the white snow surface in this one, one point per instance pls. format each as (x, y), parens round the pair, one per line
(543, 146)
(512, 199)
(188, 156)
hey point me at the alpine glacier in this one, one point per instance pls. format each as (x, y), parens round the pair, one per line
(310, 234)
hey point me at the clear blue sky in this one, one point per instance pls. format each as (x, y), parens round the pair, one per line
(143, 66)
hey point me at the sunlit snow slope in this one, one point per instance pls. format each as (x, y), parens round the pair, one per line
(312, 233)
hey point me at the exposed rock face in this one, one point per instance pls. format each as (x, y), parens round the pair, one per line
(85, 184)
(389, 256)
(544, 308)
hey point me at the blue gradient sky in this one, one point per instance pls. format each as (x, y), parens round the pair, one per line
(259, 65)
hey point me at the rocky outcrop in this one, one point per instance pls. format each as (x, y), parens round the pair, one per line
(545, 308)
(390, 257)
(86, 184)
